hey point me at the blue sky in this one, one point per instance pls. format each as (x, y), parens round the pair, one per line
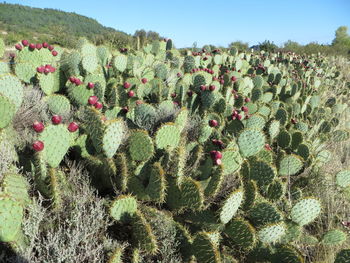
(217, 22)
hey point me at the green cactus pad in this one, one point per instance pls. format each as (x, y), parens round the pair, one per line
(334, 237)
(16, 187)
(274, 128)
(287, 254)
(231, 161)
(216, 180)
(79, 94)
(123, 208)
(305, 211)
(181, 118)
(192, 195)
(58, 104)
(143, 235)
(275, 190)
(167, 135)
(284, 139)
(112, 137)
(8, 111)
(343, 178)
(89, 63)
(250, 142)
(241, 234)
(282, 116)
(11, 215)
(47, 83)
(140, 146)
(56, 139)
(290, 165)
(25, 71)
(120, 62)
(256, 121)
(157, 184)
(303, 151)
(262, 172)
(250, 193)
(230, 206)
(293, 232)
(145, 115)
(272, 233)
(340, 135)
(204, 249)
(11, 87)
(264, 213)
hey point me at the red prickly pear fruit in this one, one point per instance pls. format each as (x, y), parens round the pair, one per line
(98, 105)
(92, 100)
(212, 87)
(46, 71)
(239, 117)
(54, 53)
(31, 46)
(125, 109)
(38, 146)
(268, 147)
(72, 79)
(139, 102)
(25, 42)
(40, 69)
(236, 96)
(178, 75)
(215, 155)
(173, 95)
(38, 126)
(73, 126)
(190, 93)
(144, 80)
(235, 112)
(233, 78)
(176, 103)
(77, 81)
(38, 46)
(131, 94)
(233, 117)
(247, 117)
(127, 85)
(203, 87)
(247, 99)
(12, 55)
(294, 121)
(217, 162)
(50, 47)
(56, 119)
(222, 82)
(244, 108)
(18, 47)
(213, 123)
(91, 85)
(45, 45)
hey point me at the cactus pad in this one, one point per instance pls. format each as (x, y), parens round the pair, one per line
(305, 211)
(271, 233)
(250, 142)
(343, 178)
(123, 208)
(140, 146)
(241, 234)
(167, 135)
(56, 139)
(334, 237)
(11, 214)
(290, 165)
(230, 206)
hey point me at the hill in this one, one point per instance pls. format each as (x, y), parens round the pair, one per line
(56, 26)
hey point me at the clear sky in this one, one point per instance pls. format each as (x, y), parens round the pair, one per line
(216, 22)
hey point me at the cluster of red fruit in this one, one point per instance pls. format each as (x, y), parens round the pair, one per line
(210, 87)
(210, 71)
(216, 156)
(127, 85)
(78, 82)
(236, 113)
(46, 69)
(123, 50)
(39, 127)
(37, 46)
(93, 101)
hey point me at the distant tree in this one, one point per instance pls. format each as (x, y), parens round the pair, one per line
(142, 35)
(292, 46)
(240, 45)
(341, 42)
(151, 35)
(268, 46)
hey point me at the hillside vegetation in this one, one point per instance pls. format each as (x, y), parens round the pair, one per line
(156, 155)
